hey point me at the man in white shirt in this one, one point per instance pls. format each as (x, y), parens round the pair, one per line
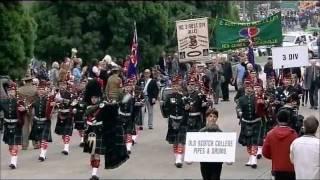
(305, 151)
(150, 92)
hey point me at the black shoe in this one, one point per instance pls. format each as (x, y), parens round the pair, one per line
(94, 177)
(150, 127)
(65, 152)
(259, 156)
(254, 166)
(302, 104)
(225, 100)
(133, 142)
(81, 144)
(315, 108)
(129, 152)
(178, 165)
(140, 128)
(12, 166)
(41, 159)
(311, 107)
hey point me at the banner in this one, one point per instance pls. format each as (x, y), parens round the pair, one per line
(288, 57)
(232, 35)
(210, 147)
(193, 39)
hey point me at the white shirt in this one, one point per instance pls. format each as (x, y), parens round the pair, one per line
(305, 156)
(96, 70)
(146, 87)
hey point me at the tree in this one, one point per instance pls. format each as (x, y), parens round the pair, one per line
(17, 34)
(96, 29)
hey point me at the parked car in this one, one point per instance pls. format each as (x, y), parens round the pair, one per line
(297, 38)
(313, 49)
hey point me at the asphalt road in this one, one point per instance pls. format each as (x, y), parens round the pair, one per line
(151, 158)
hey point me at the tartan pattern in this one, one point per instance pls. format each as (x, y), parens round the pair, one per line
(250, 134)
(128, 125)
(64, 127)
(41, 130)
(138, 116)
(197, 126)
(100, 142)
(176, 136)
(12, 134)
(80, 125)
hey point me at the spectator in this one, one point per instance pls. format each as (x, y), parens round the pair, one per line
(227, 74)
(268, 68)
(318, 40)
(76, 72)
(304, 151)
(94, 70)
(43, 75)
(162, 63)
(312, 75)
(240, 71)
(150, 92)
(175, 64)
(103, 74)
(215, 79)
(54, 74)
(277, 147)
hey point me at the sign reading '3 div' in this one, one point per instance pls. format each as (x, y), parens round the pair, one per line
(193, 40)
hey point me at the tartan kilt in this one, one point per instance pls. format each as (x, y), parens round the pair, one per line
(64, 126)
(100, 142)
(197, 126)
(263, 131)
(12, 134)
(41, 130)
(176, 136)
(80, 124)
(116, 150)
(138, 116)
(250, 133)
(128, 124)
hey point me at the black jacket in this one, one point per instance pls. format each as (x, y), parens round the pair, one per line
(152, 90)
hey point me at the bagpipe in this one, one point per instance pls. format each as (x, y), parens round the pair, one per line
(21, 102)
(49, 108)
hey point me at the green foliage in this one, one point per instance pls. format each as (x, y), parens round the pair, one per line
(96, 29)
(17, 34)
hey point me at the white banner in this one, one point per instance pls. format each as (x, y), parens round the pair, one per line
(292, 56)
(210, 147)
(193, 39)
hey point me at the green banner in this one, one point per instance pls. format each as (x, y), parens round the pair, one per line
(232, 35)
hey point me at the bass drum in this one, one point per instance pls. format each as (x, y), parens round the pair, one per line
(163, 95)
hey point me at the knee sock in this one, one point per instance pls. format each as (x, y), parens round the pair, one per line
(44, 147)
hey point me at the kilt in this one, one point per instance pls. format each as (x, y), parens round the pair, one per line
(12, 134)
(138, 116)
(80, 124)
(176, 136)
(263, 131)
(100, 142)
(128, 125)
(64, 126)
(41, 130)
(196, 124)
(116, 151)
(250, 133)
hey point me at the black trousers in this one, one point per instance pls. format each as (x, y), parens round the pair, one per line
(211, 170)
(313, 94)
(278, 175)
(225, 90)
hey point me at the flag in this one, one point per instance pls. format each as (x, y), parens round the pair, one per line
(134, 55)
